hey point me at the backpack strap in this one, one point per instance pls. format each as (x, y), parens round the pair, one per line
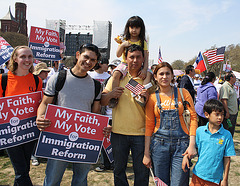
(59, 84)
(36, 81)
(4, 83)
(98, 87)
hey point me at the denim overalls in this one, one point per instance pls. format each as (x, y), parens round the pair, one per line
(167, 146)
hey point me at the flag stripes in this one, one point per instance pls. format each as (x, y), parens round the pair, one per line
(214, 56)
(134, 86)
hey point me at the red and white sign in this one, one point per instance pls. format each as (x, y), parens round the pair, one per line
(18, 119)
(44, 43)
(74, 135)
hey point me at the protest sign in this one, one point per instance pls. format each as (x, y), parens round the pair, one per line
(5, 51)
(73, 136)
(18, 119)
(44, 43)
(108, 148)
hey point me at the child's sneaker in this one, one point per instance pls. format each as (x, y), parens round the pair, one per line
(113, 103)
(35, 162)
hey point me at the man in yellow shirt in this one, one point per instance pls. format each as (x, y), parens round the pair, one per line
(128, 127)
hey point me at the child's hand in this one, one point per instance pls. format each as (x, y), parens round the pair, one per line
(224, 183)
(142, 74)
(185, 162)
(190, 152)
(126, 44)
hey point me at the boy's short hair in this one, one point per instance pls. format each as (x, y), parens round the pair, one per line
(213, 105)
(133, 48)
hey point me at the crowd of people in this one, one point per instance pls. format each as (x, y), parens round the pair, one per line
(150, 125)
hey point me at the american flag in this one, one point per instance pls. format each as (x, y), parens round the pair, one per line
(160, 59)
(215, 55)
(134, 86)
(157, 181)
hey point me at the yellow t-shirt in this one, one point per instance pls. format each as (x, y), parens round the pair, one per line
(136, 43)
(128, 116)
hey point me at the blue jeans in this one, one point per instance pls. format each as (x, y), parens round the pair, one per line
(20, 157)
(167, 155)
(55, 170)
(121, 145)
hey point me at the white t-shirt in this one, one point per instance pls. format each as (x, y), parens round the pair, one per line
(99, 77)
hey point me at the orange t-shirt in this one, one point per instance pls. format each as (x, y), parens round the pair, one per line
(152, 111)
(17, 85)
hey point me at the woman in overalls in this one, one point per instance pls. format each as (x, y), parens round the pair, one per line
(166, 130)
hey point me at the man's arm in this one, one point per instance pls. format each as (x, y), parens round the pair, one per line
(41, 121)
(96, 107)
(107, 95)
(225, 105)
(224, 182)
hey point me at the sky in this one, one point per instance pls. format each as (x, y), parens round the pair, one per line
(181, 28)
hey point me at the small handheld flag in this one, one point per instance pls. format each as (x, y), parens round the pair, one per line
(134, 86)
(157, 180)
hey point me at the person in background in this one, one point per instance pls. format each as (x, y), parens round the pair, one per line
(219, 84)
(100, 71)
(237, 89)
(21, 81)
(215, 148)
(41, 70)
(105, 110)
(197, 81)
(166, 130)
(187, 81)
(206, 91)
(112, 65)
(228, 97)
(178, 81)
(153, 67)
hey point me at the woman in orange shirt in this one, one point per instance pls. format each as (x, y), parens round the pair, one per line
(21, 81)
(169, 137)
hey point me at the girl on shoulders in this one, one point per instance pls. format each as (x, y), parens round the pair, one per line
(134, 33)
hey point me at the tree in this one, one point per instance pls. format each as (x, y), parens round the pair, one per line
(15, 39)
(178, 64)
